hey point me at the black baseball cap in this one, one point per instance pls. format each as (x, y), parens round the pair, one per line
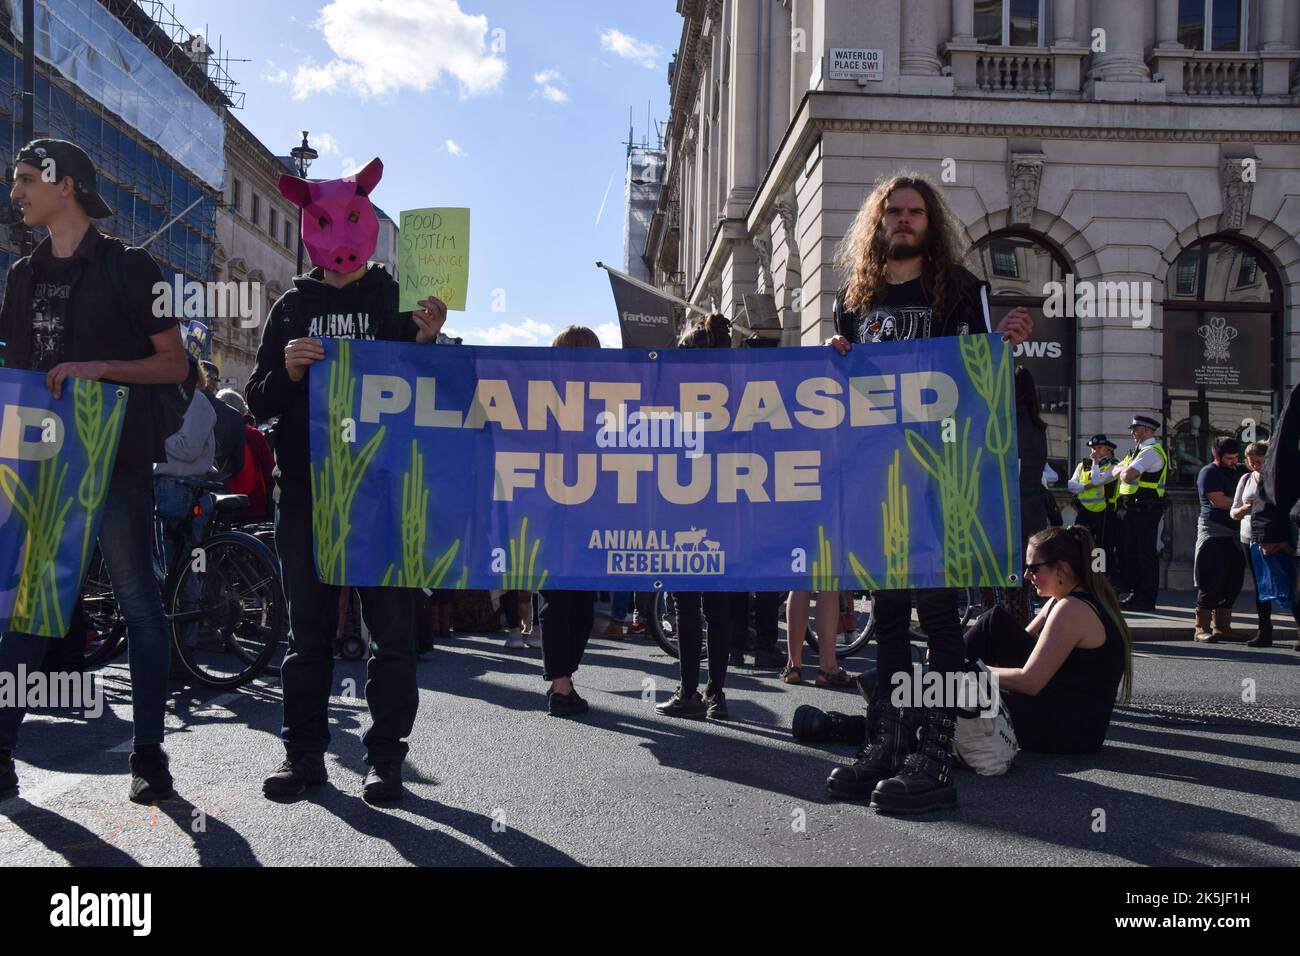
(1096, 440)
(69, 160)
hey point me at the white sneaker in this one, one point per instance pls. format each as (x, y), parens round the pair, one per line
(515, 640)
(534, 637)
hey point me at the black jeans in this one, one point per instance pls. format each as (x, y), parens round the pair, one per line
(308, 670)
(567, 618)
(1141, 558)
(726, 612)
(937, 609)
(767, 609)
(1219, 571)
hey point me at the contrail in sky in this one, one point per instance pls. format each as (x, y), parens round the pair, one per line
(603, 200)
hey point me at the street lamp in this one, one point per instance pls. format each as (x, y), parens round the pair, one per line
(302, 155)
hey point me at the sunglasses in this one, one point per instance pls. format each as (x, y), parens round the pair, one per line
(1033, 568)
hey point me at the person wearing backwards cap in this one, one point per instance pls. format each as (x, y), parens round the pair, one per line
(82, 306)
(1139, 502)
(1093, 485)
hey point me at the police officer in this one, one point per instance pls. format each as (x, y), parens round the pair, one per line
(1140, 500)
(1094, 485)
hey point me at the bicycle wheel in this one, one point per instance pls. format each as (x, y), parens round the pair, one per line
(227, 615)
(105, 641)
(847, 642)
(663, 627)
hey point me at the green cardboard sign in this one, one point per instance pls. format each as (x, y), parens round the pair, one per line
(433, 257)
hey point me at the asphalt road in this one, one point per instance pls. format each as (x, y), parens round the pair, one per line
(493, 780)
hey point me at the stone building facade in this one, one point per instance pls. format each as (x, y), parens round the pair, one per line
(257, 242)
(1139, 141)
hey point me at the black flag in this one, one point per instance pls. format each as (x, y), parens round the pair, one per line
(645, 319)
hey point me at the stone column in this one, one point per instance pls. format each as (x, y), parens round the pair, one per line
(1167, 25)
(963, 21)
(1123, 61)
(1063, 20)
(919, 40)
(1272, 19)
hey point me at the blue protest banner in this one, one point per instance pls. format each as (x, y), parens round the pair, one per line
(457, 467)
(53, 484)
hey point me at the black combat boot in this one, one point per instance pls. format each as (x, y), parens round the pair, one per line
(891, 736)
(925, 781)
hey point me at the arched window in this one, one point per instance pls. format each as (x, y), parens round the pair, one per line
(1020, 268)
(1222, 335)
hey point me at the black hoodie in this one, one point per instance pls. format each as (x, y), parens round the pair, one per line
(1277, 505)
(364, 309)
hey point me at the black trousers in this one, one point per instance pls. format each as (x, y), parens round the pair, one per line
(1095, 522)
(937, 609)
(567, 618)
(1219, 570)
(1140, 526)
(767, 610)
(726, 612)
(308, 671)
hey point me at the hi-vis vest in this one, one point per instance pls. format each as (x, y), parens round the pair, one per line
(1092, 497)
(1144, 488)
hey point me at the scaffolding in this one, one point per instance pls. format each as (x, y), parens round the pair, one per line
(214, 62)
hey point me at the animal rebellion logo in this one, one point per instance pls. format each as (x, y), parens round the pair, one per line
(657, 551)
(1218, 336)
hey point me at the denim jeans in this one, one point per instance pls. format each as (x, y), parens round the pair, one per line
(125, 537)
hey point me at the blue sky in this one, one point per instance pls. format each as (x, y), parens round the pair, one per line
(515, 108)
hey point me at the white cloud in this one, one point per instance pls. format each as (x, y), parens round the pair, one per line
(527, 332)
(383, 46)
(610, 335)
(325, 144)
(630, 48)
(275, 75)
(547, 86)
(348, 166)
(454, 148)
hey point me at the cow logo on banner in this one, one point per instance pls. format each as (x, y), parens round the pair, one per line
(56, 460)
(776, 469)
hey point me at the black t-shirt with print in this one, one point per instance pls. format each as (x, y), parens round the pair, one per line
(51, 339)
(904, 313)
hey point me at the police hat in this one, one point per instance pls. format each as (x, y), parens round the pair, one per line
(1144, 422)
(1096, 440)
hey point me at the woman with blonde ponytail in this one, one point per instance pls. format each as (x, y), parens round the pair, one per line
(1059, 677)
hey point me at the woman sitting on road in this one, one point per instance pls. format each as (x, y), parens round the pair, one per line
(1059, 677)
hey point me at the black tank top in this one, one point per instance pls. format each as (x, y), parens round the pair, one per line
(1089, 679)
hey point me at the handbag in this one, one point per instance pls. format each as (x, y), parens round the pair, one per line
(1275, 576)
(986, 745)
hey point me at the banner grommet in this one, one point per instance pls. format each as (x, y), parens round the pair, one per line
(659, 585)
(652, 356)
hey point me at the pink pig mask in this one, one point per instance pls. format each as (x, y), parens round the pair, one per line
(339, 225)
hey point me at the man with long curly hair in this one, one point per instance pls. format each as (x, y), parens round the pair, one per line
(903, 260)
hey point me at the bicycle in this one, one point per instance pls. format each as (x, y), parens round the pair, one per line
(223, 600)
(971, 602)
